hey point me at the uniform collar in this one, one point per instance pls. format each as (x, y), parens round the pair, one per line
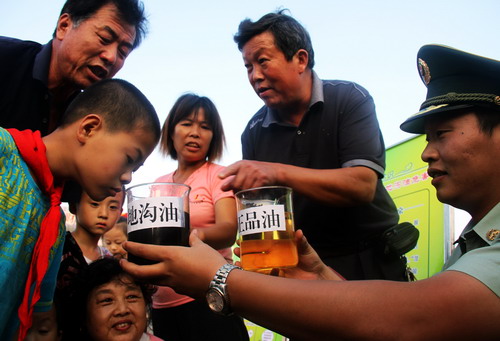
(488, 228)
(316, 97)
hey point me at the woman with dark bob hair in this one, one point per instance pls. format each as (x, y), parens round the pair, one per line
(108, 304)
(193, 135)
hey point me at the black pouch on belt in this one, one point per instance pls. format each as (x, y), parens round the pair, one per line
(400, 239)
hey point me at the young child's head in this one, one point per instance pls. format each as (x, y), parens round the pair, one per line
(97, 217)
(114, 238)
(107, 132)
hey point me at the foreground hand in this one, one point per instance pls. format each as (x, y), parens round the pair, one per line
(188, 270)
(249, 174)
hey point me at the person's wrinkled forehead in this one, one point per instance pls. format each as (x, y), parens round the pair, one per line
(121, 280)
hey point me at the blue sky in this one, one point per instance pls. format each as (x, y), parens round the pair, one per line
(190, 48)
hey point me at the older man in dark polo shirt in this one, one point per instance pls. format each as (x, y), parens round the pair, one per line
(322, 138)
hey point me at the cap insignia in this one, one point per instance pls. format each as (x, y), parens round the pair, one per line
(492, 234)
(432, 107)
(424, 71)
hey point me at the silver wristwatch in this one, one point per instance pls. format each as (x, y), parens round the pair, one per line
(217, 297)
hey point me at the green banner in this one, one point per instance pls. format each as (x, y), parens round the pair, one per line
(258, 333)
(409, 185)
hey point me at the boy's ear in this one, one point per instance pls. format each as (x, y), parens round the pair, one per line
(88, 126)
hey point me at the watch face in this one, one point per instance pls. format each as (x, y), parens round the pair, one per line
(215, 300)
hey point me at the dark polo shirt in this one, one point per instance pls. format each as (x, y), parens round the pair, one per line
(25, 99)
(339, 130)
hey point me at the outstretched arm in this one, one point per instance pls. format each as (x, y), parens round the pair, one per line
(451, 305)
(338, 187)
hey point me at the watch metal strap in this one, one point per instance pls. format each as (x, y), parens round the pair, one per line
(221, 274)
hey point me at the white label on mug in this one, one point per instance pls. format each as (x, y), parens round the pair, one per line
(261, 219)
(155, 212)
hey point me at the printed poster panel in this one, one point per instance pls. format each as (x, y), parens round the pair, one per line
(258, 333)
(409, 185)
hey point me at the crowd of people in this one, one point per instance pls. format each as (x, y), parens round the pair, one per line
(71, 132)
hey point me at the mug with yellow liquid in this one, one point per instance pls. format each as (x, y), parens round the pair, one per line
(266, 229)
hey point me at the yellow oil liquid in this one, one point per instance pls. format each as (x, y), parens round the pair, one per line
(265, 251)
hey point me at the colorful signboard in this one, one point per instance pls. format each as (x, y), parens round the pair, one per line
(409, 185)
(258, 333)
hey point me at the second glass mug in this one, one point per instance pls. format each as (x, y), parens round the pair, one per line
(266, 229)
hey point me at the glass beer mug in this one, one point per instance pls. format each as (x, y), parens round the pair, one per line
(158, 213)
(266, 229)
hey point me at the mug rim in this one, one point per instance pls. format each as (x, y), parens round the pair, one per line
(158, 183)
(263, 187)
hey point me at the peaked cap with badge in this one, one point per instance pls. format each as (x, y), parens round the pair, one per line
(455, 80)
